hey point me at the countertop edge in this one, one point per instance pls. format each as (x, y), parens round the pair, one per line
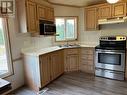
(56, 49)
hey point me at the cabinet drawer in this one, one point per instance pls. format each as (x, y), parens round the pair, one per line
(87, 57)
(72, 51)
(87, 51)
(87, 62)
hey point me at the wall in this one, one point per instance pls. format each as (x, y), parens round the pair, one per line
(17, 42)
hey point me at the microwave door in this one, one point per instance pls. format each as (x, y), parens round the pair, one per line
(49, 28)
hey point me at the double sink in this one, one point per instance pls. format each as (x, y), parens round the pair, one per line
(69, 46)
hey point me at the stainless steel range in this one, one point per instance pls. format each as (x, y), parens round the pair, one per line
(110, 57)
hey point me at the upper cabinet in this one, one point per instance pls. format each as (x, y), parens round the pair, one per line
(31, 17)
(104, 11)
(50, 14)
(119, 10)
(29, 12)
(41, 10)
(91, 18)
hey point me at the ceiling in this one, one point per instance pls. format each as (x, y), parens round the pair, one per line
(76, 2)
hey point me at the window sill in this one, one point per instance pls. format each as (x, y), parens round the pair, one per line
(6, 75)
(4, 86)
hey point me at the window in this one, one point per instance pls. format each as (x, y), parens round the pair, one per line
(66, 28)
(5, 56)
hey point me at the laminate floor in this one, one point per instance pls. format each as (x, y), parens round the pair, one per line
(78, 83)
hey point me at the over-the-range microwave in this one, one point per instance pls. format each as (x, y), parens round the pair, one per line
(47, 27)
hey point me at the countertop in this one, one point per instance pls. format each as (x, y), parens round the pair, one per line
(37, 52)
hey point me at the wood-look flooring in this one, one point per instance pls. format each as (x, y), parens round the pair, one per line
(78, 83)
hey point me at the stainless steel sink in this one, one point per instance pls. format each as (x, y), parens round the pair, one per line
(69, 46)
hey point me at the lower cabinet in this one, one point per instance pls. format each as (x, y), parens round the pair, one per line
(71, 59)
(72, 62)
(41, 70)
(57, 64)
(51, 67)
(45, 69)
(87, 60)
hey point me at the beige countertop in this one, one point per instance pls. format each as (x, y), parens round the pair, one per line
(37, 52)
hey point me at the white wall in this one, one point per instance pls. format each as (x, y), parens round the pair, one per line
(17, 42)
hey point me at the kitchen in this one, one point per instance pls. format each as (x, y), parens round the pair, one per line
(86, 38)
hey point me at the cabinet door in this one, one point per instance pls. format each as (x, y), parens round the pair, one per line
(57, 64)
(91, 18)
(119, 10)
(50, 14)
(72, 63)
(54, 65)
(60, 64)
(41, 11)
(44, 69)
(31, 17)
(104, 11)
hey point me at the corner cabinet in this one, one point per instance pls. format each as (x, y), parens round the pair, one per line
(91, 18)
(43, 69)
(31, 17)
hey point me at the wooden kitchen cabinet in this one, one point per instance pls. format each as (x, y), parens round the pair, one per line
(104, 11)
(72, 60)
(87, 60)
(50, 14)
(119, 9)
(31, 17)
(41, 11)
(45, 69)
(29, 12)
(57, 65)
(91, 18)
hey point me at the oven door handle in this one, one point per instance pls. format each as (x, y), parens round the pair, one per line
(111, 52)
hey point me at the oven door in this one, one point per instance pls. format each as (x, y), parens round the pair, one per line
(110, 59)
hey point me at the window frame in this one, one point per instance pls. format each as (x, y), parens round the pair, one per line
(69, 17)
(8, 49)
